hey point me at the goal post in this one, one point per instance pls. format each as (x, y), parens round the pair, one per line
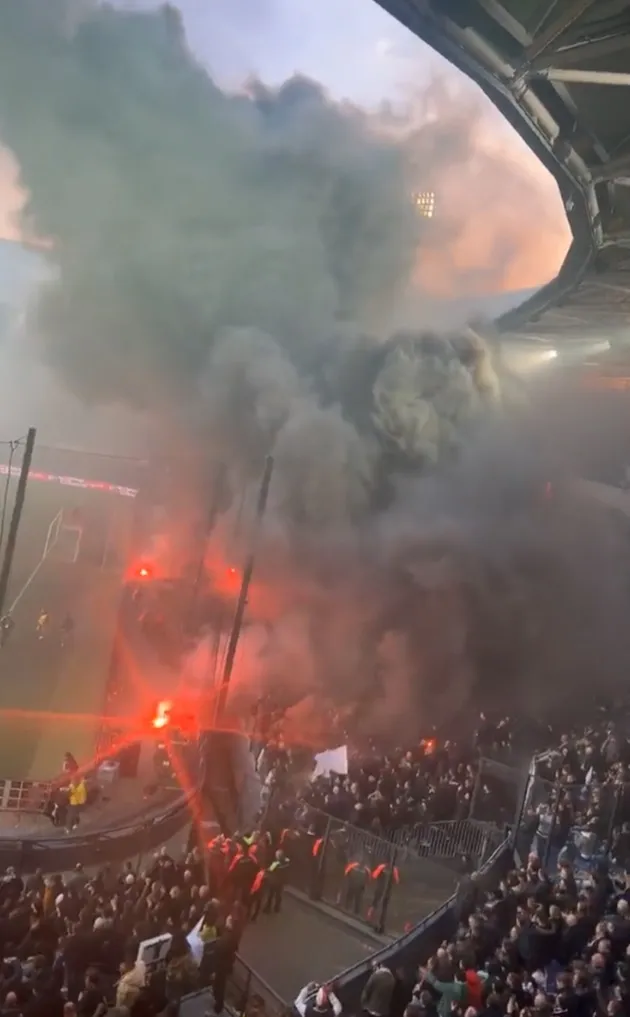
(52, 536)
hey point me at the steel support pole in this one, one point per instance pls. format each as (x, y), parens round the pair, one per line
(239, 614)
(569, 76)
(18, 505)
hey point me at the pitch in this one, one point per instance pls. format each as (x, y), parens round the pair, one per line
(69, 560)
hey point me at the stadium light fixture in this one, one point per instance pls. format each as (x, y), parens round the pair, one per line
(425, 203)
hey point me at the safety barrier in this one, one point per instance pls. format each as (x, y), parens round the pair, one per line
(24, 795)
(114, 845)
(451, 839)
(246, 994)
(383, 884)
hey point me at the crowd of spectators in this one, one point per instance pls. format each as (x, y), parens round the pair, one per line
(128, 943)
(584, 773)
(552, 938)
(580, 805)
(537, 945)
(387, 789)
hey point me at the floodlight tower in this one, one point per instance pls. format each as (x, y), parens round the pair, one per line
(425, 203)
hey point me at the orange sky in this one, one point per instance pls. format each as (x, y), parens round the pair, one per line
(499, 224)
(504, 222)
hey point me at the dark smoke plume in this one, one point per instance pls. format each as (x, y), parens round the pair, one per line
(233, 263)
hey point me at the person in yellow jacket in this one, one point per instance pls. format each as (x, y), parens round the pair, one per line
(77, 797)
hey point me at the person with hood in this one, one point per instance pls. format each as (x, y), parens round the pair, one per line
(317, 1001)
(475, 982)
(132, 980)
(378, 991)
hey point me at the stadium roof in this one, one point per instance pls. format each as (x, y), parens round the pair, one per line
(559, 70)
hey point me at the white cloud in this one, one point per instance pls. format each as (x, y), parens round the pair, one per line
(384, 48)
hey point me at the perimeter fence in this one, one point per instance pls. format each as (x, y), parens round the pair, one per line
(577, 822)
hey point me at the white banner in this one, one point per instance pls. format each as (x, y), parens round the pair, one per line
(195, 942)
(331, 761)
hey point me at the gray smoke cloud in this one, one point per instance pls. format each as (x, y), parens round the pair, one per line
(212, 249)
(232, 263)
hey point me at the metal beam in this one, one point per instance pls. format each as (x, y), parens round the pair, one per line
(557, 28)
(576, 54)
(611, 170)
(616, 238)
(557, 317)
(576, 77)
(506, 20)
(514, 28)
(600, 284)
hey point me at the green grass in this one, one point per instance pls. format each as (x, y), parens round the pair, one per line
(41, 686)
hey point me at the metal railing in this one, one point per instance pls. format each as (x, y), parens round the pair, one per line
(386, 885)
(451, 839)
(577, 822)
(24, 795)
(246, 995)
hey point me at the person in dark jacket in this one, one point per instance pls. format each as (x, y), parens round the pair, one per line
(224, 957)
(378, 992)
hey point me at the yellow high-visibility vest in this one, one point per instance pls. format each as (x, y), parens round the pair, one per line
(77, 793)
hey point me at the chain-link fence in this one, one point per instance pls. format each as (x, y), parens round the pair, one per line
(581, 823)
